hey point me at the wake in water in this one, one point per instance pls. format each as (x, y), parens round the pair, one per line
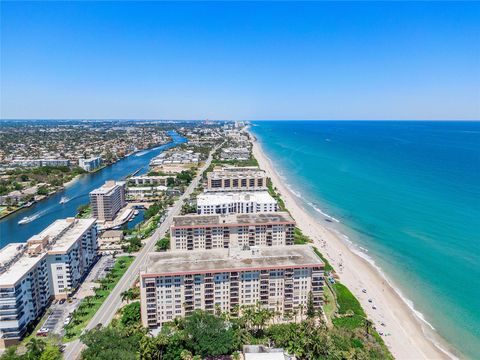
(29, 219)
(141, 153)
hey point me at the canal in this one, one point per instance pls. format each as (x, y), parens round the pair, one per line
(47, 211)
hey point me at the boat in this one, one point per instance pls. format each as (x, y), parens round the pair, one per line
(136, 212)
(26, 220)
(63, 200)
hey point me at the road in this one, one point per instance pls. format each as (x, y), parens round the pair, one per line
(112, 303)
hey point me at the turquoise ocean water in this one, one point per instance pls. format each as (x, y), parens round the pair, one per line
(406, 192)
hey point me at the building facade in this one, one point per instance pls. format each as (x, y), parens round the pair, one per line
(49, 266)
(192, 232)
(107, 200)
(280, 279)
(235, 202)
(236, 179)
(40, 162)
(110, 242)
(90, 164)
(148, 180)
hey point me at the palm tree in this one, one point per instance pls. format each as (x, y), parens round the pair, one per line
(186, 355)
(368, 326)
(35, 347)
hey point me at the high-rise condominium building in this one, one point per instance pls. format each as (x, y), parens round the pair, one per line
(191, 232)
(107, 200)
(235, 202)
(279, 278)
(236, 179)
(49, 266)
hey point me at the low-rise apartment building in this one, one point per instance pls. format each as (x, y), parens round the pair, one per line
(236, 179)
(49, 266)
(107, 200)
(40, 162)
(110, 242)
(148, 180)
(192, 232)
(145, 192)
(235, 202)
(90, 164)
(281, 279)
(235, 153)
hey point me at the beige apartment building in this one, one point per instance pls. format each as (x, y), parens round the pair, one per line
(206, 232)
(236, 179)
(281, 278)
(107, 200)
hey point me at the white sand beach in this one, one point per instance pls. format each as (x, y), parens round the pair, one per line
(408, 339)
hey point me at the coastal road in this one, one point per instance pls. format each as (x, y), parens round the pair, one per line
(112, 303)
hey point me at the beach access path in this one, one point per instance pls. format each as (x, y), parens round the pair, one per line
(112, 303)
(409, 338)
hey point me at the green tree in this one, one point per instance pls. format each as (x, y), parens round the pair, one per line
(163, 244)
(310, 306)
(10, 354)
(208, 335)
(51, 352)
(110, 343)
(35, 348)
(130, 314)
(42, 190)
(130, 294)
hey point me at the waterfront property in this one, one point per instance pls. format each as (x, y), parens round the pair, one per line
(50, 265)
(110, 242)
(144, 180)
(235, 202)
(236, 179)
(191, 232)
(107, 200)
(145, 192)
(281, 279)
(39, 162)
(235, 153)
(90, 164)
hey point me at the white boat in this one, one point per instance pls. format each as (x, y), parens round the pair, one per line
(63, 200)
(136, 212)
(25, 220)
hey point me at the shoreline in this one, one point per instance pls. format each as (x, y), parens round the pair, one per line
(410, 339)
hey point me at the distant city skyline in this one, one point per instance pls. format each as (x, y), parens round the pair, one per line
(241, 61)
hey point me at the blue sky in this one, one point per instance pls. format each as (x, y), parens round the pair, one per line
(240, 60)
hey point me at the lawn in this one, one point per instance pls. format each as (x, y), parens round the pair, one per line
(330, 305)
(328, 267)
(300, 238)
(89, 305)
(347, 301)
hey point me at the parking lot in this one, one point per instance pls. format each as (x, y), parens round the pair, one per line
(61, 310)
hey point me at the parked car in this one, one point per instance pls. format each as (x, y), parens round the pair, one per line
(61, 301)
(43, 332)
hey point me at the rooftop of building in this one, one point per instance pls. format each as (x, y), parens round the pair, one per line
(216, 198)
(9, 252)
(232, 219)
(58, 238)
(149, 177)
(112, 234)
(219, 260)
(221, 172)
(106, 188)
(69, 229)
